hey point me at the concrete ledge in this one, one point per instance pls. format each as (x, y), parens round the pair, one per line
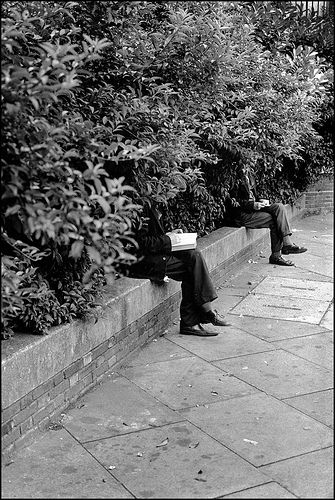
(41, 376)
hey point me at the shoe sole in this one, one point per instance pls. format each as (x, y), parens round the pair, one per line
(285, 252)
(282, 264)
(199, 334)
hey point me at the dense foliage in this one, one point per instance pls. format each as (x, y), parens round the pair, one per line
(283, 27)
(174, 96)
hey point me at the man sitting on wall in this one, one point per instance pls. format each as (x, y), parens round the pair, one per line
(248, 210)
(157, 260)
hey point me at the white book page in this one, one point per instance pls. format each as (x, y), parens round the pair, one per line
(184, 241)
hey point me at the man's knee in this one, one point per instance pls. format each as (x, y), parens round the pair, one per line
(195, 254)
(279, 206)
(194, 258)
(278, 210)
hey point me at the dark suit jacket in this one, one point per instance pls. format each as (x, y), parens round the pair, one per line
(154, 246)
(245, 194)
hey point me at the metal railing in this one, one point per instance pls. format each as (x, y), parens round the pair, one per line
(319, 7)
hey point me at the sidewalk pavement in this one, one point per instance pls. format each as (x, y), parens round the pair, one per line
(246, 414)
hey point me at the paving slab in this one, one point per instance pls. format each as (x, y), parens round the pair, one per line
(190, 464)
(230, 343)
(288, 287)
(117, 406)
(239, 291)
(313, 220)
(308, 476)
(269, 490)
(250, 273)
(321, 239)
(261, 269)
(328, 319)
(316, 348)
(56, 466)
(260, 428)
(318, 405)
(154, 351)
(313, 224)
(298, 272)
(226, 302)
(320, 222)
(315, 263)
(308, 235)
(272, 329)
(186, 382)
(279, 373)
(290, 308)
(318, 247)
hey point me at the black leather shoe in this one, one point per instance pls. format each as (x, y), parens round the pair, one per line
(196, 330)
(215, 318)
(292, 249)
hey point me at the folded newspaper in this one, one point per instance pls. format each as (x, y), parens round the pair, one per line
(184, 241)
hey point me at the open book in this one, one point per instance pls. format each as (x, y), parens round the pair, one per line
(185, 241)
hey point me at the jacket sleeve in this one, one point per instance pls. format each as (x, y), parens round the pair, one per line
(153, 245)
(243, 196)
(247, 205)
(151, 237)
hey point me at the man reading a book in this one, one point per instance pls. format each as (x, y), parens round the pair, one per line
(248, 210)
(159, 257)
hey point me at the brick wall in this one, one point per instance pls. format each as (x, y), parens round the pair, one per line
(319, 200)
(320, 196)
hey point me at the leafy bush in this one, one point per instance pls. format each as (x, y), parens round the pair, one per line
(283, 26)
(108, 105)
(47, 202)
(259, 109)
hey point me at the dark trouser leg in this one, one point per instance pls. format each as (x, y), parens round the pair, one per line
(273, 217)
(278, 212)
(197, 288)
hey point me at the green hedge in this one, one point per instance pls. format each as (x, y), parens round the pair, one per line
(174, 96)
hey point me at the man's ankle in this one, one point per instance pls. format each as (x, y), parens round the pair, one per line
(287, 241)
(206, 307)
